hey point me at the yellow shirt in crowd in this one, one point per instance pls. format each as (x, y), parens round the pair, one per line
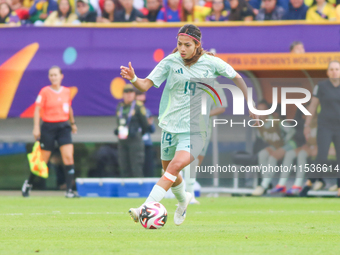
(200, 13)
(327, 10)
(29, 3)
(310, 2)
(53, 19)
(337, 13)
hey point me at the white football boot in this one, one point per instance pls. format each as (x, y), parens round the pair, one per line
(181, 211)
(134, 213)
(259, 191)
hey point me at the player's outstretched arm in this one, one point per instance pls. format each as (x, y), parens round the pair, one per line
(129, 74)
(238, 80)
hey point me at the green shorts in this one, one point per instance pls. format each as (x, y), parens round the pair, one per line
(190, 142)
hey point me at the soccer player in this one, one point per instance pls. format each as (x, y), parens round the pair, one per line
(187, 61)
(54, 103)
(327, 94)
(190, 178)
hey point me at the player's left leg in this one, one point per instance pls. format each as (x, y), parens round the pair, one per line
(171, 178)
(190, 146)
(178, 188)
(67, 156)
(175, 148)
(64, 140)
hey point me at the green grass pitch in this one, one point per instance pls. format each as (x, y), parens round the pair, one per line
(224, 225)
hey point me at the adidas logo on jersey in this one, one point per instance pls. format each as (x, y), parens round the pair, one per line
(179, 71)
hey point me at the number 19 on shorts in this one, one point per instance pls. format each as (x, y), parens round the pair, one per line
(167, 137)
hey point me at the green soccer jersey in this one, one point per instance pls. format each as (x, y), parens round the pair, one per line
(180, 106)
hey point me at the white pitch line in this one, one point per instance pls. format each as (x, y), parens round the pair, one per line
(198, 212)
(11, 214)
(59, 213)
(265, 212)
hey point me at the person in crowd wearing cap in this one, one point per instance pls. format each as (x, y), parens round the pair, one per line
(85, 15)
(132, 125)
(148, 168)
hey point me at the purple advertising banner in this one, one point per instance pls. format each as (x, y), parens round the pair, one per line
(91, 58)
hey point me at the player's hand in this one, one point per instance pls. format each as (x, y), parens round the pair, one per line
(74, 129)
(306, 132)
(127, 72)
(36, 133)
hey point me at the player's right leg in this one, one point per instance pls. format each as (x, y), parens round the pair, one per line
(168, 150)
(27, 186)
(171, 178)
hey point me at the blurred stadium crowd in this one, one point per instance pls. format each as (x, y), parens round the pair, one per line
(53, 12)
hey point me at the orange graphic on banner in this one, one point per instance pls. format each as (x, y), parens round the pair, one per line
(37, 164)
(280, 61)
(10, 75)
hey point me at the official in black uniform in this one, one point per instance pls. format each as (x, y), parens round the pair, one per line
(327, 94)
(132, 124)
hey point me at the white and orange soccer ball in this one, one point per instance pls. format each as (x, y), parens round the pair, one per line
(153, 215)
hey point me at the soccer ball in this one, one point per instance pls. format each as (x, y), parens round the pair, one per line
(153, 215)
